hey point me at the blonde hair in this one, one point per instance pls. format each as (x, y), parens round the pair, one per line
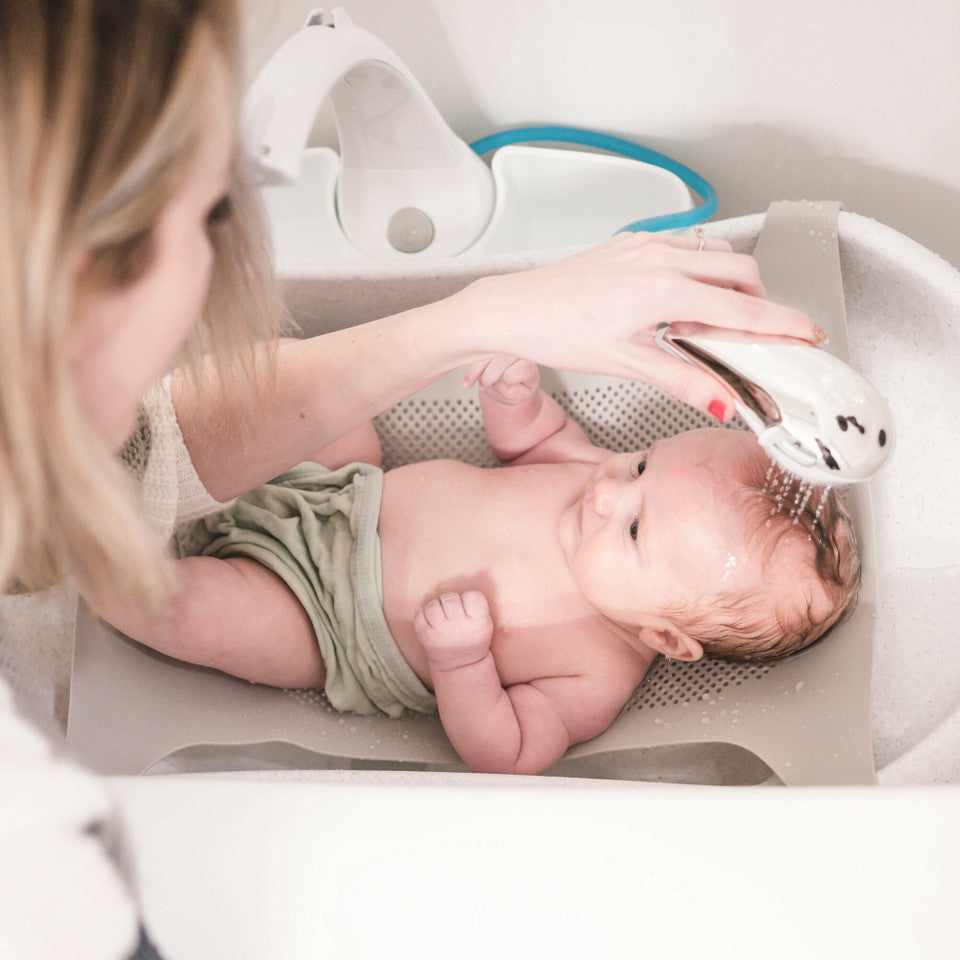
(101, 110)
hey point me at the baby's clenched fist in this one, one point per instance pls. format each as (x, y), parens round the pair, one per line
(504, 379)
(455, 630)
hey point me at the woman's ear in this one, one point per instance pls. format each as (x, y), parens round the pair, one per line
(671, 642)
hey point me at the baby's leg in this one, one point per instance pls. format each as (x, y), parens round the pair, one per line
(361, 444)
(237, 616)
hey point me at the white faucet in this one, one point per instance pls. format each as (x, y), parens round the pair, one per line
(406, 182)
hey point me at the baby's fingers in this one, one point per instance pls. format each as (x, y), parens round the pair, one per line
(486, 372)
(475, 605)
(429, 615)
(521, 373)
(472, 372)
(452, 605)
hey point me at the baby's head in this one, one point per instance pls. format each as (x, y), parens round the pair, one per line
(806, 565)
(700, 545)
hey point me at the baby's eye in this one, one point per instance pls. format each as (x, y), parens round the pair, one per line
(640, 467)
(634, 528)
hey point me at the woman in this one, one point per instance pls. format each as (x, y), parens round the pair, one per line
(129, 241)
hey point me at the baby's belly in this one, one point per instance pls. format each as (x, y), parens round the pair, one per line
(447, 526)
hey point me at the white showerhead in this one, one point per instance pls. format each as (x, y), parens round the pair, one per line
(813, 414)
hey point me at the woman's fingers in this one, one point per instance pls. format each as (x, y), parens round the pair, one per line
(679, 378)
(715, 306)
(735, 271)
(691, 241)
(713, 263)
(716, 270)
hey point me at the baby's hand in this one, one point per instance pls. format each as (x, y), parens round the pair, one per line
(504, 379)
(455, 630)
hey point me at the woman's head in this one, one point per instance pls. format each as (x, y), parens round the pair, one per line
(127, 238)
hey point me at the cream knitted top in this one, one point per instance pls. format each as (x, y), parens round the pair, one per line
(171, 490)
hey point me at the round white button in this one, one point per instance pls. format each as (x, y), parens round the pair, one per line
(410, 230)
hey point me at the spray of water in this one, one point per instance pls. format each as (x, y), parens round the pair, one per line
(794, 496)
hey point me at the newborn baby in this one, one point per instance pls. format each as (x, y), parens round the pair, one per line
(525, 603)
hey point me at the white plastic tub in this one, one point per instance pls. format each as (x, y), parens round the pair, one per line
(353, 866)
(350, 864)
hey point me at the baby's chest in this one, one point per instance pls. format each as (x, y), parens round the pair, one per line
(552, 645)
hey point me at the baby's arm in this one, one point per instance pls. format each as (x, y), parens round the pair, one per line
(523, 424)
(524, 728)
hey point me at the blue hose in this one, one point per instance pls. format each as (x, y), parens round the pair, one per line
(590, 138)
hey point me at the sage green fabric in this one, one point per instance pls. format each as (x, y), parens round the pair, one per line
(317, 530)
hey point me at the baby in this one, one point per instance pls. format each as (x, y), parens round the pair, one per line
(523, 603)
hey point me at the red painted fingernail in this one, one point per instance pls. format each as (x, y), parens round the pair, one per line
(717, 410)
(820, 334)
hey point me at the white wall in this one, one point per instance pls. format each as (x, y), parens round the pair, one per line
(854, 100)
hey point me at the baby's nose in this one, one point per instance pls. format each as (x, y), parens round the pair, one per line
(607, 494)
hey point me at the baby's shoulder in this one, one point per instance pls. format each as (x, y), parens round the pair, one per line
(609, 654)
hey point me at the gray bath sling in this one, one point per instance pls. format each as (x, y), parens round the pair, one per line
(807, 719)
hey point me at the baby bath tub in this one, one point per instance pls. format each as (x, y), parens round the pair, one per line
(807, 718)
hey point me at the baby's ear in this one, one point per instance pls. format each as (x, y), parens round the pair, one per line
(671, 642)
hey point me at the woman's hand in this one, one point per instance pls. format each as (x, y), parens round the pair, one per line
(598, 311)
(595, 312)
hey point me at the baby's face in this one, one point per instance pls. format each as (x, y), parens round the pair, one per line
(659, 530)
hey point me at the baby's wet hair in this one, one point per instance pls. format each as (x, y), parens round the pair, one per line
(784, 512)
